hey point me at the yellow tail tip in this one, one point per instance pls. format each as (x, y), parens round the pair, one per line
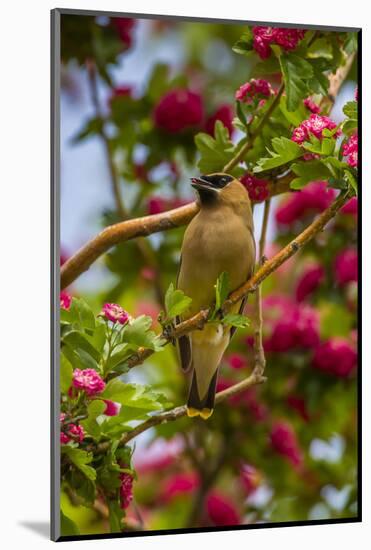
(204, 413)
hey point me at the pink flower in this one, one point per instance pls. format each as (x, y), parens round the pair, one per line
(124, 27)
(236, 361)
(221, 510)
(112, 408)
(315, 197)
(336, 357)
(292, 326)
(64, 438)
(88, 380)
(288, 39)
(76, 432)
(284, 442)
(257, 188)
(159, 455)
(351, 207)
(126, 490)
(309, 281)
(314, 125)
(178, 110)
(346, 266)
(225, 114)
(115, 313)
(250, 478)
(180, 484)
(254, 89)
(350, 150)
(156, 205)
(65, 300)
(313, 107)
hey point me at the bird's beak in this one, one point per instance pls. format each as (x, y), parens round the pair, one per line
(199, 183)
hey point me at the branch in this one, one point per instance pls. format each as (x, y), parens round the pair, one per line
(258, 340)
(140, 227)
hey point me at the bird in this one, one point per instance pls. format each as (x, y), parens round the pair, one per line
(220, 238)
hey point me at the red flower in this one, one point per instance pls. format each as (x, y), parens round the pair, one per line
(257, 188)
(288, 39)
(314, 125)
(350, 150)
(315, 197)
(112, 408)
(225, 114)
(299, 405)
(178, 110)
(351, 207)
(346, 266)
(309, 282)
(313, 107)
(65, 300)
(88, 380)
(124, 27)
(76, 432)
(236, 361)
(254, 89)
(180, 484)
(115, 313)
(64, 438)
(337, 357)
(221, 510)
(126, 490)
(284, 442)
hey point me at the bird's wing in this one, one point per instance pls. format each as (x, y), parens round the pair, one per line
(184, 342)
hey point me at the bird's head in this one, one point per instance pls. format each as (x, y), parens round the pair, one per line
(214, 189)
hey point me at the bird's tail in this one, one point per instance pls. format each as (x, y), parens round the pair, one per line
(201, 407)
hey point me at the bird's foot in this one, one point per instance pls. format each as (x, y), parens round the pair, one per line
(204, 413)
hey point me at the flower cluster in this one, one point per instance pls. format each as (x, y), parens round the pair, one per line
(346, 266)
(257, 188)
(88, 380)
(336, 357)
(311, 106)
(314, 198)
(124, 27)
(73, 432)
(254, 89)
(284, 442)
(126, 490)
(178, 110)
(236, 361)
(65, 300)
(115, 313)
(225, 114)
(314, 125)
(264, 37)
(309, 281)
(291, 325)
(350, 150)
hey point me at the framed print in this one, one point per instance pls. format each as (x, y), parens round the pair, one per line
(205, 253)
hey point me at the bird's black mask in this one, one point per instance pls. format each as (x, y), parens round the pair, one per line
(209, 186)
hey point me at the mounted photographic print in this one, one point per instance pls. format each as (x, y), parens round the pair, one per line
(205, 349)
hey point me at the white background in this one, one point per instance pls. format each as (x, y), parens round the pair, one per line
(24, 291)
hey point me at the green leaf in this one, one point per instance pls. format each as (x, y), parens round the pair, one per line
(68, 527)
(176, 302)
(243, 46)
(293, 117)
(350, 109)
(321, 47)
(351, 180)
(285, 150)
(309, 171)
(236, 320)
(215, 153)
(137, 334)
(319, 83)
(221, 290)
(90, 424)
(76, 339)
(133, 395)
(79, 314)
(65, 373)
(296, 71)
(158, 82)
(92, 127)
(80, 459)
(335, 320)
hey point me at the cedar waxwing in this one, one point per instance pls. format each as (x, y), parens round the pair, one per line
(220, 238)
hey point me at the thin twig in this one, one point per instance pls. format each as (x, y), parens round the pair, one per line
(258, 335)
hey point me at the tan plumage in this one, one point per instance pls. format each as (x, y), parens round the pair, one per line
(219, 238)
